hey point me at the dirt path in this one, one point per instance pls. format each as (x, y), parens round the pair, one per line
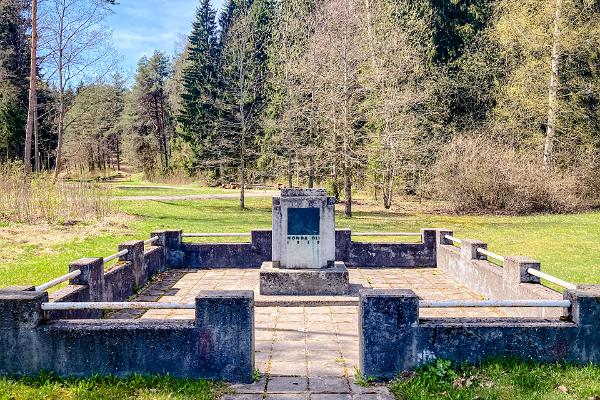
(222, 196)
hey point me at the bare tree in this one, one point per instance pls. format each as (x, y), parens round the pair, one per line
(392, 93)
(32, 110)
(337, 42)
(77, 48)
(553, 88)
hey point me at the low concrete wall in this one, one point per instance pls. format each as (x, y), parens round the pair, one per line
(218, 345)
(227, 255)
(377, 255)
(131, 273)
(392, 339)
(508, 282)
(73, 293)
(259, 250)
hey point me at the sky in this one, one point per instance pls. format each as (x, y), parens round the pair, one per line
(141, 26)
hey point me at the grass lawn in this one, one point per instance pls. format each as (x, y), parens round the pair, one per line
(567, 245)
(501, 380)
(136, 387)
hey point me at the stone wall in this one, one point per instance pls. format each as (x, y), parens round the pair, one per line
(225, 255)
(393, 339)
(120, 282)
(259, 250)
(218, 345)
(508, 282)
(378, 255)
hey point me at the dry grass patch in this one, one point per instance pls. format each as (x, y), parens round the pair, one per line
(18, 239)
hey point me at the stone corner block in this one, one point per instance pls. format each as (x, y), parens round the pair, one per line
(402, 305)
(469, 249)
(225, 324)
(21, 309)
(516, 267)
(92, 275)
(585, 305)
(440, 235)
(388, 322)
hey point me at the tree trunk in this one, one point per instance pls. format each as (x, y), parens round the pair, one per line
(311, 172)
(36, 141)
(118, 150)
(61, 101)
(553, 90)
(31, 112)
(347, 190)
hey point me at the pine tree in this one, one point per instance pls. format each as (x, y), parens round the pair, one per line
(14, 69)
(245, 69)
(199, 112)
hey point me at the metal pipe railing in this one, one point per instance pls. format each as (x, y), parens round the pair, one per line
(116, 255)
(453, 239)
(490, 254)
(66, 306)
(57, 281)
(551, 278)
(151, 240)
(208, 235)
(494, 303)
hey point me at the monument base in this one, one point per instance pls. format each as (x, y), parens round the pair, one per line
(304, 282)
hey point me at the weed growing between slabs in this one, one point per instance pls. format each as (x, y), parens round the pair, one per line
(499, 379)
(48, 386)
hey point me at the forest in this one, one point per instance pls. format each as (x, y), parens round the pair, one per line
(491, 105)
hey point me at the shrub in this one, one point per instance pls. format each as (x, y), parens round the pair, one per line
(478, 174)
(41, 199)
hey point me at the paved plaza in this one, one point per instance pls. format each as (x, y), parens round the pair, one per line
(305, 349)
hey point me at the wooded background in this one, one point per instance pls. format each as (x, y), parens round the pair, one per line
(490, 104)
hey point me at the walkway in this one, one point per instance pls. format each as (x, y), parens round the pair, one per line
(305, 352)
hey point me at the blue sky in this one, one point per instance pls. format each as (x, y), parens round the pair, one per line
(141, 26)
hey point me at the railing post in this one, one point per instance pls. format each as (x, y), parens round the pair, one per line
(469, 249)
(171, 242)
(585, 311)
(515, 270)
(225, 323)
(388, 320)
(135, 255)
(21, 309)
(92, 275)
(343, 242)
(440, 236)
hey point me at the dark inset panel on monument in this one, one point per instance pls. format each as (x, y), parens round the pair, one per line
(303, 221)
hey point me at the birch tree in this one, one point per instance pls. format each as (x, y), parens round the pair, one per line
(76, 47)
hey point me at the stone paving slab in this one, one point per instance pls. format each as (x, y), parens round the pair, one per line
(305, 346)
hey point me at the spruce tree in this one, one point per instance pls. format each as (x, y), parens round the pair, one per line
(198, 116)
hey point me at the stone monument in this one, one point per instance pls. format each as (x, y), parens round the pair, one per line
(303, 258)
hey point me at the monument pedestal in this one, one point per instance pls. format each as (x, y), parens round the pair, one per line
(304, 282)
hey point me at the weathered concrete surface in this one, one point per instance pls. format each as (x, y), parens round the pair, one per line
(72, 293)
(377, 255)
(225, 322)
(317, 282)
(228, 255)
(218, 345)
(154, 259)
(393, 339)
(510, 282)
(259, 250)
(303, 249)
(20, 309)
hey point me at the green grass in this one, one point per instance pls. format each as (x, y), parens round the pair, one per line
(134, 190)
(48, 387)
(567, 245)
(509, 380)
